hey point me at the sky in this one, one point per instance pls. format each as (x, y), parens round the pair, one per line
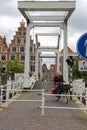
(10, 18)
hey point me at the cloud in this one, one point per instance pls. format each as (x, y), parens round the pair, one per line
(10, 18)
(9, 8)
(8, 27)
(78, 20)
(48, 61)
(77, 24)
(73, 41)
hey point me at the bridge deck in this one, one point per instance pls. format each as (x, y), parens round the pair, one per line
(27, 115)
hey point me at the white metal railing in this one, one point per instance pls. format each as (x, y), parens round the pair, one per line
(14, 86)
(43, 99)
(9, 89)
(78, 86)
(32, 81)
(71, 108)
(47, 0)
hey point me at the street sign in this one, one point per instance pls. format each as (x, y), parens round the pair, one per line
(83, 65)
(82, 46)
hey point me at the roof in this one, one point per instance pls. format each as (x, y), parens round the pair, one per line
(68, 50)
(3, 41)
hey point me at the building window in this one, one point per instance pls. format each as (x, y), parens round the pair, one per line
(32, 68)
(24, 33)
(22, 58)
(13, 49)
(21, 49)
(18, 40)
(33, 58)
(31, 49)
(19, 33)
(12, 57)
(3, 58)
(24, 40)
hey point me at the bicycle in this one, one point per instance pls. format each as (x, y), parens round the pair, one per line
(64, 89)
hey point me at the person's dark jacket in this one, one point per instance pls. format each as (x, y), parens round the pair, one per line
(58, 78)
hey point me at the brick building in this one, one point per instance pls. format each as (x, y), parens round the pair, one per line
(53, 69)
(4, 50)
(17, 48)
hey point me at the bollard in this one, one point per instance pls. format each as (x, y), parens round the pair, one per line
(43, 102)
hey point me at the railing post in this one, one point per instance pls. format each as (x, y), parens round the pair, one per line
(86, 97)
(1, 95)
(71, 90)
(8, 90)
(13, 87)
(43, 102)
(21, 82)
(81, 98)
(7, 93)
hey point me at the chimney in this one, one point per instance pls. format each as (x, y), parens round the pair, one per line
(4, 39)
(22, 24)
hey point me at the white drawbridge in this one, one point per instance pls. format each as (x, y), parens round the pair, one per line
(46, 14)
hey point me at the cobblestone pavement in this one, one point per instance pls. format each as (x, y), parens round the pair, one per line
(27, 116)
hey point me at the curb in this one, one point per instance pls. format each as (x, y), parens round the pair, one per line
(81, 105)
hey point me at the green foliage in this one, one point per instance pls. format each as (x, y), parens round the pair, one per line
(14, 67)
(84, 75)
(75, 71)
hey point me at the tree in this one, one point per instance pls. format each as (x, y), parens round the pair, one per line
(75, 70)
(14, 67)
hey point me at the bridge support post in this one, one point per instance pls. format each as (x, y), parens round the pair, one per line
(27, 56)
(58, 65)
(40, 70)
(36, 65)
(65, 66)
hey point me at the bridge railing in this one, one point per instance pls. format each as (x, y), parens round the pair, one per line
(79, 88)
(43, 99)
(9, 90)
(32, 81)
(44, 94)
(13, 86)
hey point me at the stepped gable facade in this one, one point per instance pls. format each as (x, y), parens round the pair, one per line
(16, 49)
